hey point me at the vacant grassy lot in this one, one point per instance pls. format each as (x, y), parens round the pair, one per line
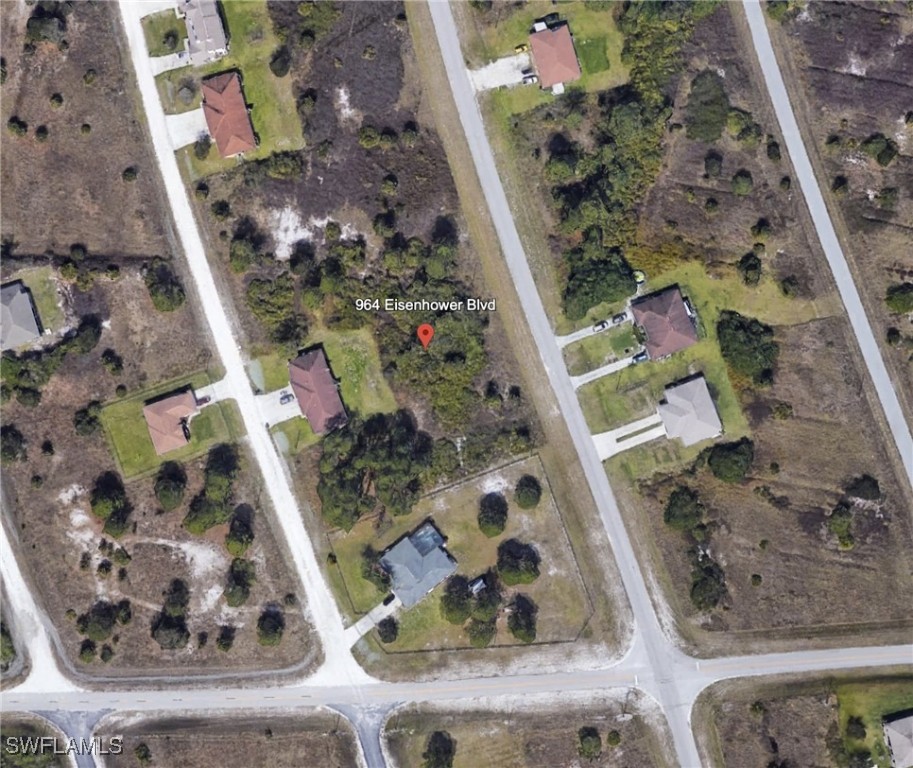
(595, 351)
(270, 98)
(17, 726)
(316, 739)
(129, 436)
(799, 722)
(530, 734)
(43, 284)
(559, 592)
(159, 26)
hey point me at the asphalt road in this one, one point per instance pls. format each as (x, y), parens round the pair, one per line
(811, 190)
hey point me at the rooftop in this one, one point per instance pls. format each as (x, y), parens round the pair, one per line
(18, 320)
(206, 40)
(554, 56)
(317, 392)
(665, 320)
(688, 412)
(418, 563)
(167, 418)
(898, 732)
(226, 114)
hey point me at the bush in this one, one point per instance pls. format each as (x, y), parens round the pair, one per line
(713, 164)
(863, 487)
(177, 598)
(730, 462)
(16, 126)
(439, 751)
(613, 738)
(773, 150)
(899, 298)
(221, 209)
(528, 492)
(456, 602)
(86, 421)
(518, 563)
(112, 361)
(747, 346)
(270, 626)
(272, 303)
(98, 622)
(881, 148)
(481, 633)
(28, 397)
(170, 632)
(109, 502)
(589, 743)
(789, 286)
(143, 754)
(170, 484)
(840, 524)
(130, 173)
(241, 575)
(855, 728)
(388, 630)
(202, 146)
(164, 286)
(41, 133)
(742, 182)
(708, 583)
(12, 444)
(522, 619)
(840, 186)
(368, 137)
(87, 652)
(750, 269)
(707, 108)
(226, 638)
(683, 509)
(281, 61)
(492, 514)
(240, 531)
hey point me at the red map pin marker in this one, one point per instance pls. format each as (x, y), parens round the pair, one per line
(425, 333)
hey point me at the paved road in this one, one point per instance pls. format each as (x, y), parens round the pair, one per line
(808, 183)
(323, 613)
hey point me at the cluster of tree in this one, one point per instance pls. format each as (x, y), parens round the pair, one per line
(279, 165)
(272, 303)
(240, 531)
(708, 107)
(270, 625)
(881, 148)
(747, 346)
(24, 375)
(170, 484)
(212, 506)
(299, 26)
(370, 462)
(899, 298)
(742, 127)
(518, 563)
(589, 742)
(241, 576)
(708, 580)
(86, 420)
(165, 288)
(248, 242)
(863, 487)
(730, 462)
(439, 750)
(684, 510)
(169, 626)
(459, 605)
(595, 275)
(47, 23)
(99, 621)
(109, 502)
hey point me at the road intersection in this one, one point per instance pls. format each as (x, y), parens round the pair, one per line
(653, 662)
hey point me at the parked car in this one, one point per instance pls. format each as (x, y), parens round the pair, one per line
(203, 401)
(640, 357)
(522, 48)
(601, 326)
(286, 397)
(619, 318)
(530, 79)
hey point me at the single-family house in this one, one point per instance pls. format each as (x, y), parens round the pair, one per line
(688, 412)
(206, 38)
(898, 735)
(317, 391)
(226, 113)
(554, 55)
(417, 563)
(168, 420)
(19, 323)
(667, 320)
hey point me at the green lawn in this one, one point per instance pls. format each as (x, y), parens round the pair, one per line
(41, 282)
(871, 701)
(273, 113)
(170, 82)
(298, 434)
(275, 371)
(157, 25)
(129, 437)
(592, 352)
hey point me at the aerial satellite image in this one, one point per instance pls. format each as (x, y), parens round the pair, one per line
(456, 383)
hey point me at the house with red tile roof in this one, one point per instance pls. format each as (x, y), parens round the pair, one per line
(554, 55)
(227, 116)
(666, 320)
(168, 420)
(317, 391)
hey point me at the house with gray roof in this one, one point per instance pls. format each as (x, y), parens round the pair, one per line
(898, 734)
(688, 412)
(417, 563)
(19, 322)
(206, 38)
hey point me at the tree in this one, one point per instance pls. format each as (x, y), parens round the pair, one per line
(683, 509)
(143, 754)
(112, 361)
(12, 444)
(518, 563)
(742, 182)
(730, 462)
(750, 268)
(388, 630)
(202, 146)
(492, 514)
(170, 484)
(481, 633)
(281, 61)
(372, 570)
(240, 531)
(596, 276)
(226, 638)
(522, 619)
(713, 164)
(98, 622)
(899, 298)
(747, 346)
(855, 728)
(456, 602)
(707, 108)
(270, 626)
(589, 743)
(527, 492)
(86, 421)
(439, 751)
(213, 505)
(613, 738)
(165, 289)
(241, 575)
(109, 502)
(840, 524)
(864, 487)
(170, 632)
(708, 582)
(177, 598)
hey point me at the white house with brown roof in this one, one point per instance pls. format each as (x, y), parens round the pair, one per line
(554, 56)
(168, 420)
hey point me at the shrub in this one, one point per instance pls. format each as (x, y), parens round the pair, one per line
(439, 751)
(170, 632)
(707, 108)
(272, 303)
(226, 638)
(170, 484)
(881, 148)
(368, 137)
(164, 286)
(129, 173)
(270, 626)
(528, 492)
(388, 630)
(893, 336)
(773, 150)
(98, 622)
(708, 583)
(589, 743)
(12, 444)
(86, 420)
(713, 164)
(481, 633)
(683, 509)
(887, 198)
(17, 126)
(747, 346)
(761, 229)
(863, 487)
(332, 231)
(840, 186)
(240, 531)
(522, 619)
(730, 462)
(221, 209)
(41, 133)
(28, 397)
(855, 728)
(112, 361)
(456, 602)
(840, 524)
(85, 129)
(749, 267)
(143, 754)
(281, 61)
(202, 146)
(241, 575)
(87, 651)
(789, 286)
(613, 738)
(742, 182)
(899, 298)
(177, 598)
(492, 514)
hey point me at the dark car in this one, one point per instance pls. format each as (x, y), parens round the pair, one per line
(619, 318)
(601, 325)
(640, 357)
(286, 398)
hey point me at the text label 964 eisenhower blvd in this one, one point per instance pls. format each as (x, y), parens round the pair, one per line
(425, 305)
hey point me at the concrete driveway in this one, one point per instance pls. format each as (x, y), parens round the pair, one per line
(172, 61)
(186, 128)
(273, 411)
(605, 370)
(501, 72)
(636, 433)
